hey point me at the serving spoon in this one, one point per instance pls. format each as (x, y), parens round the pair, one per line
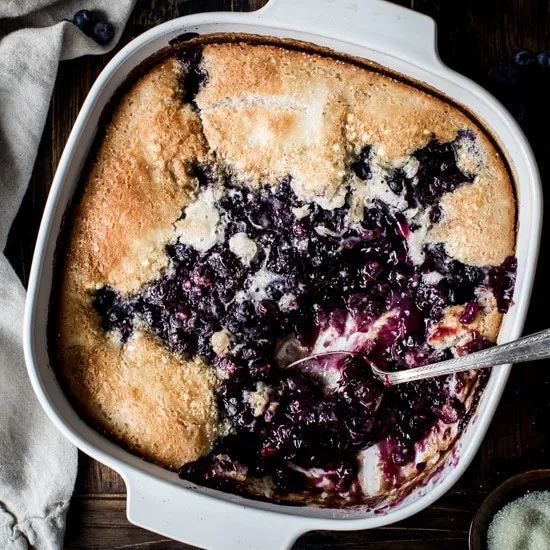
(529, 348)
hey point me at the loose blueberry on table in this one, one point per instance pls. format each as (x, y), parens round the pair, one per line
(522, 84)
(290, 426)
(91, 25)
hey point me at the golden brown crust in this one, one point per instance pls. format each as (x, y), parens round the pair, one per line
(281, 112)
(144, 396)
(138, 185)
(478, 225)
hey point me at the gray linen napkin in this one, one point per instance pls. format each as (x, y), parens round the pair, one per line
(37, 465)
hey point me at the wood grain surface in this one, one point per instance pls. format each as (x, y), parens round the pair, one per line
(473, 35)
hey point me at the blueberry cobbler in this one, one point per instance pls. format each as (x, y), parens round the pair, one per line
(253, 203)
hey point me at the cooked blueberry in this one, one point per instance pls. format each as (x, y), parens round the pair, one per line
(437, 173)
(193, 75)
(364, 307)
(185, 255)
(435, 213)
(203, 173)
(501, 280)
(371, 271)
(396, 182)
(361, 166)
(470, 313)
(403, 454)
(285, 194)
(261, 370)
(267, 309)
(301, 228)
(476, 343)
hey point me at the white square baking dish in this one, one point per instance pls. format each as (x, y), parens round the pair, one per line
(392, 36)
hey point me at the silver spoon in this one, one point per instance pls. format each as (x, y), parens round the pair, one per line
(529, 348)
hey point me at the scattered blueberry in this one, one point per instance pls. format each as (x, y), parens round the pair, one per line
(361, 166)
(505, 73)
(518, 111)
(524, 59)
(103, 32)
(87, 21)
(543, 59)
(521, 84)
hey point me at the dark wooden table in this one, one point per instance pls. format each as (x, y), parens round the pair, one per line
(473, 35)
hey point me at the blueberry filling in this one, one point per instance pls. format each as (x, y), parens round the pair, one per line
(438, 173)
(305, 426)
(361, 166)
(502, 280)
(116, 312)
(314, 274)
(193, 75)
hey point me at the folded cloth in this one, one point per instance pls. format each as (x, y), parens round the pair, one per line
(37, 465)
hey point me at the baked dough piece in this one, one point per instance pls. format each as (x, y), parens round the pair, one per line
(138, 185)
(147, 398)
(286, 112)
(156, 404)
(282, 113)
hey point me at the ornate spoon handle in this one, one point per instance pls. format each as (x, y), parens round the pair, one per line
(528, 348)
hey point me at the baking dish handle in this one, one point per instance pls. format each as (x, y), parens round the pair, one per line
(374, 24)
(177, 513)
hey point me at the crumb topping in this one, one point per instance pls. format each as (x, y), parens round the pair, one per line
(244, 247)
(200, 225)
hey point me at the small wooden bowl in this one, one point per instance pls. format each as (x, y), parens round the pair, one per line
(515, 487)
